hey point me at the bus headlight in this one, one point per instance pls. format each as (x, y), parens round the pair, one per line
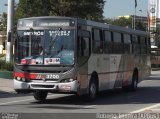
(23, 79)
(18, 78)
(67, 80)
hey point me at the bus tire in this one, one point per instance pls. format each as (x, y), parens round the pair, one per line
(93, 89)
(134, 84)
(40, 95)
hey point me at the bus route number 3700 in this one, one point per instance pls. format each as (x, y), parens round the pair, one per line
(52, 76)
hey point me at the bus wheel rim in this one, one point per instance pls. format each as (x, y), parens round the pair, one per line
(93, 90)
(135, 84)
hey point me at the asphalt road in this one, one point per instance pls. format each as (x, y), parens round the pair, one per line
(145, 100)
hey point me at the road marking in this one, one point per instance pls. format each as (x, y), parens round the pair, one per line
(146, 108)
(155, 109)
(15, 102)
(140, 110)
(89, 106)
(23, 100)
(154, 76)
(147, 81)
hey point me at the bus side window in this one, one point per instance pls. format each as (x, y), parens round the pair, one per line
(143, 44)
(117, 43)
(148, 46)
(139, 45)
(127, 42)
(108, 42)
(97, 42)
(83, 46)
(135, 45)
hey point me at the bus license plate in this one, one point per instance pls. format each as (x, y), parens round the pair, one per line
(52, 76)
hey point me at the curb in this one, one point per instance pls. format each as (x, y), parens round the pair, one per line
(6, 74)
(155, 69)
(7, 92)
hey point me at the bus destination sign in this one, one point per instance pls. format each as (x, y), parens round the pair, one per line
(46, 23)
(52, 24)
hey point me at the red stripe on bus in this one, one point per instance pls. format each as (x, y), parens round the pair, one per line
(25, 75)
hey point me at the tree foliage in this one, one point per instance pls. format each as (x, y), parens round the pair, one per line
(127, 22)
(120, 22)
(86, 9)
(3, 25)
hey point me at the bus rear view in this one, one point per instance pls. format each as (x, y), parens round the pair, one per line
(44, 56)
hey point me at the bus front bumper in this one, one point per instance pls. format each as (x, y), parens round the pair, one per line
(69, 87)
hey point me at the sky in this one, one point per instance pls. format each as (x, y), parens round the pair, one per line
(112, 8)
(115, 8)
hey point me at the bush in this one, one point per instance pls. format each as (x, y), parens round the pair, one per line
(6, 66)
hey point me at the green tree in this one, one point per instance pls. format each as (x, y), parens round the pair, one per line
(3, 25)
(127, 22)
(86, 9)
(140, 26)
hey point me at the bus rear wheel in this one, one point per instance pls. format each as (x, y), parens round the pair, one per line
(134, 84)
(40, 95)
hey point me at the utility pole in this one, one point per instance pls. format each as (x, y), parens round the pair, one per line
(10, 33)
(134, 25)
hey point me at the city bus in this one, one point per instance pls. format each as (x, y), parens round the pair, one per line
(76, 56)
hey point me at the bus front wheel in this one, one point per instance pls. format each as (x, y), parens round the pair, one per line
(40, 95)
(92, 90)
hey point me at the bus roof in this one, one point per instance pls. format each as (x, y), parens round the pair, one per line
(94, 24)
(117, 28)
(46, 17)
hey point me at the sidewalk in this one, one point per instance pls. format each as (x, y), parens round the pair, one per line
(155, 72)
(6, 85)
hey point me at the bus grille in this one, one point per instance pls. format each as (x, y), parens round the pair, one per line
(41, 86)
(51, 79)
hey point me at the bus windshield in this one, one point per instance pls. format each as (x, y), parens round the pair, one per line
(45, 47)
